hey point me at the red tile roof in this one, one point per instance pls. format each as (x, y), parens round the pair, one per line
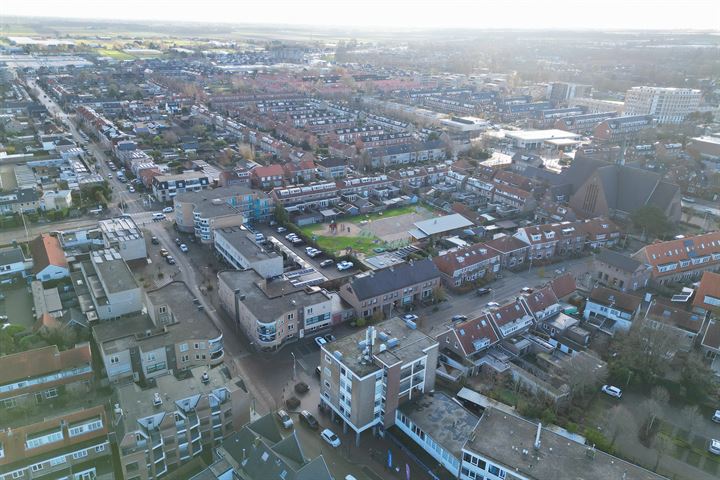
(41, 361)
(506, 244)
(671, 315)
(607, 296)
(463, 258)
(683, 249)
(711, 339)
(541, 299)
(709, 287)
(46, 250)
(564, 285)
(476, 334)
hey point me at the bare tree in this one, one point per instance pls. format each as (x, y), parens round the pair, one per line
(620, 422)
(583, 373)
(653, 406)
(691, 416)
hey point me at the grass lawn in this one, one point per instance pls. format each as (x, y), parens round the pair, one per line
(116, 54)
(339, 244)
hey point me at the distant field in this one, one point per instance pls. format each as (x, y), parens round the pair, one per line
(116, 54)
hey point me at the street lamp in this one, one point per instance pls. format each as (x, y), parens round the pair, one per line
(293, 357)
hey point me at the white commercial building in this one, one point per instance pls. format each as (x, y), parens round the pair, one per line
(533, 139)
(667, 105)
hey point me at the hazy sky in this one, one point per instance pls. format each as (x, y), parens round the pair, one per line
(395, 14)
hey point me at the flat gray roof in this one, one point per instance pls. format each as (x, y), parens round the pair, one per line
(441, 417)
(557, 456)
(442, 224)
(112, 270)
(243, 242)
(268, 300)
(120, 229)
(412, 344)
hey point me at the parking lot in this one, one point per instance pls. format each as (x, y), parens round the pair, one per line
(17, 304)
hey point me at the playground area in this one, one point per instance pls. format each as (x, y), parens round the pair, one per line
(363, 233)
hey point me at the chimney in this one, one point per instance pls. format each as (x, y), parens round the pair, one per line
(536, 445)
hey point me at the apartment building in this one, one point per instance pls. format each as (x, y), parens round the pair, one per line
(667, 105)
(174, 420)
(239, 249)
(272, 313)
(175, 334)
(267, 177)
(683, 258)
(56, 442)
(562, 92)
(205, 211)
(123, 235)
(105, 286)
(166, 187)
(390, 288)
(467, 264)
(596, 105)
(366, 376)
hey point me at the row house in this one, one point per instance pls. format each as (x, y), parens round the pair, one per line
(354, 188)
(621, 272)
(433, 150)
(300, 198)
(682, 258)
(707, 296)
(391, 288)
(683, 325)
(464, 345)
(513, 197)
(504, 177)
(350, 135)
(546, 118)
(267, 177)
(295, 135)
(386, 122)
(583, 124)
(59, 443)
(599, 232)
(547, 241)
(300, 172)
(36, 376)
(620, 129)
(611, 310)
(342, 150)
(513, 251)
(385, 139)
(511, 319)
(419, 177)
(468, 264)
(324, 126)
(330, 168)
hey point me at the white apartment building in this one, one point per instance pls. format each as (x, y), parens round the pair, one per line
(667, 105)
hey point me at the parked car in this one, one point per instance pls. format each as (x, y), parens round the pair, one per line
(285, 419)
(326, 263)
(320, 341)
(612, 391)
(290, 236)
(329, 337)
(154, 240)
(183, 248)
(157, 217)
(178, 241)
(281, 229)
(131, 189)
(493, 305)
(459, 318)
(313, 252)
(410, 317)
(526, 290)
(483, 291)
(167, 210)
(716, 416)
(309, 420)
(345, 265)
(169, 259)
(714, 446)
(330, 438)
(164, 253)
